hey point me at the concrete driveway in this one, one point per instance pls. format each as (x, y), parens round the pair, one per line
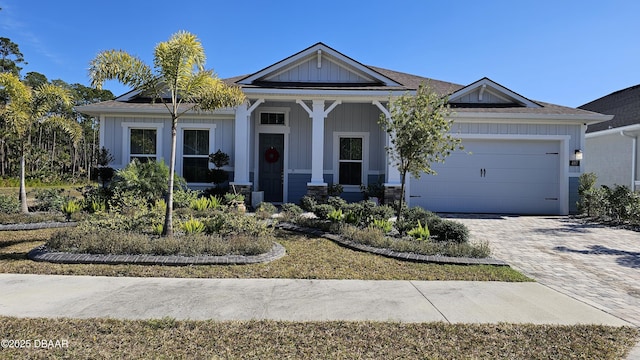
(595, 264)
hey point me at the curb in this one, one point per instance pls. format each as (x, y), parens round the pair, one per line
(42, 254)
(36, 226)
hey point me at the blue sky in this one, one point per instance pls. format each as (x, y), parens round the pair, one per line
(566, 52)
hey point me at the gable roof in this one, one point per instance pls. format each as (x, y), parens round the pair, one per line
(317, 65)
(488, 93)
(321, 71)
(623, 104)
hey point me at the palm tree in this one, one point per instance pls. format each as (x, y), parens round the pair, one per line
(180, 82)
(26, 108)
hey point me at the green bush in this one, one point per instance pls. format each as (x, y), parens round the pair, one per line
(145, 180)
(420, 232)
(101, 241)
(182, 198)
(337, 202)
(450, 231)
(70, 207)
(200, 204)
(375, 237)
(336, 216)
(9, 204)
(585, 191)
(307, 203)
(192, 226)
(291, 210)
(265, 210)
(322, 211)
(49, 199)
(384, 225)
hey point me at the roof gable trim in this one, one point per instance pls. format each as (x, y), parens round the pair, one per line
(487, 85)
(321, 52)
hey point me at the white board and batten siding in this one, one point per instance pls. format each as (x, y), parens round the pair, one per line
(513, 169)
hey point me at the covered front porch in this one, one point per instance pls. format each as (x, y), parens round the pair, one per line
(286, 148)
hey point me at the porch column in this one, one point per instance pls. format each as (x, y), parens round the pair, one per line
(392, 175)
(242, 139)
(317, 113)
(392, 185)
(317, 144)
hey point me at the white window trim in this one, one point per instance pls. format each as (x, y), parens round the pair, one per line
(180, 142)
(126, 139)
(365, 158)
(273, 110)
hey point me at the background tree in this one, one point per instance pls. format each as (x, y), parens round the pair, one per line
(419, 132)
(25, 108)
(10, 57)
(180, 82)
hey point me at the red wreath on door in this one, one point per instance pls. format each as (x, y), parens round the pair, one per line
(271, 155)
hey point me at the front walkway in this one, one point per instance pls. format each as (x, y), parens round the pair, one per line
(292, 300)
(595, 264)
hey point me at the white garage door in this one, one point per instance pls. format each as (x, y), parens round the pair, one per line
(499, 177)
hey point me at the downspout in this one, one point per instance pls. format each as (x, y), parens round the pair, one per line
(633, 158)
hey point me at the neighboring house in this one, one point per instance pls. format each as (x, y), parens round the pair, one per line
(311, 120)
(612, 146)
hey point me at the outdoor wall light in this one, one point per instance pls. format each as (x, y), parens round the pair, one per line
(577, 155)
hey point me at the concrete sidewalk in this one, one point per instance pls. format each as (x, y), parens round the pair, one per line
(293, 300)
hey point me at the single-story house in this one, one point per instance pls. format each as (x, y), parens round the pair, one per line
(311, 120)
(612, 146)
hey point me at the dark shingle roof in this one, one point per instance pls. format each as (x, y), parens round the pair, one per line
(623, 104)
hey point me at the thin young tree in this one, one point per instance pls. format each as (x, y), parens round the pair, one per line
(25, 108)
(419, 128)
(180, 82)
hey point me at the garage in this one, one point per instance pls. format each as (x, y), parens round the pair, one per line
(494, 176)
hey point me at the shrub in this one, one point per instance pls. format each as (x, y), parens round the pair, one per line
(265, 210)
(227, 224)
(373, 236)
(585, 191)
(335, 216)
(307, 203)
(337, 202)
(9, 204)
(420, 232)
(384, 225)
(200, 204)
(192, 226)
(291, 210)
(84, 240)
(49, 199)
(322, 211)
(183, 198)
(334, 190)
(451, 231)
(70, 207)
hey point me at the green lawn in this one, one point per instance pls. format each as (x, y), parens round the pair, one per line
(307, 258)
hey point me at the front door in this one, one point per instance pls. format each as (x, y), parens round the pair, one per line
(271, 171)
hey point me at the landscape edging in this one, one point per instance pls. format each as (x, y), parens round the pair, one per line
(390, 253)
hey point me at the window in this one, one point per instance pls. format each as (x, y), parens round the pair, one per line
(350, 161)
(195, 156)
(267, 118)
(143, 144)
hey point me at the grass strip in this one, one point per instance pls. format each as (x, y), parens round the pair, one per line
(169, 338)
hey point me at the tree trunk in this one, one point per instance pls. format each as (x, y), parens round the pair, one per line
(23, 189)
(403, 177)
(168, 220)
(2, 157)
